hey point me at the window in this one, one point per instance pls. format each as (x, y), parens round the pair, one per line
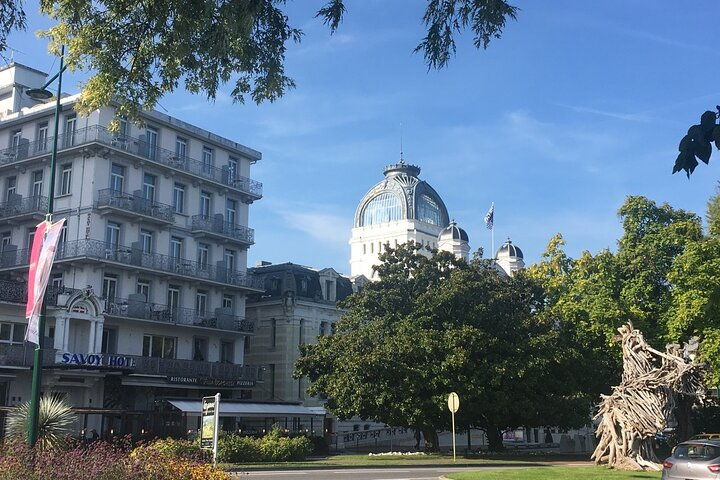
(149, 187)
(231, 211)
(109, 340)
(203, 255)
(201, 303)
(205, 203)
(151, 139)
(56, 281)
(273, 333)
(158, 346)
(65, 178)
(232, 169)
(12, 332)
(178, 198)
(146, 237)
(123, 130)
(230, 260)
(173, 297)
(117, 177)
(70, 124)
(11, 187)
(112, 236)
(62, 240)
(323, 328)
(180, 148)
(428, 210)
(200, 348)
(109, 290)
(176, 247)
(4, 240)
(42, 137)
(143, 288)
(227, 301)
(15, 138)
(227, 351)
(301, 331)
(208, 158)
(385, 207)
(37, 183)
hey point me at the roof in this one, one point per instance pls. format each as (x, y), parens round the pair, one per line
(509, 250)
(453, 232)
(302, 282)
(229, 408)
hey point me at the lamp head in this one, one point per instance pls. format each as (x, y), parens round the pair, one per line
(39, 93)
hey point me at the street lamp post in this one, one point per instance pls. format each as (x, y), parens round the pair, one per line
(44, 94)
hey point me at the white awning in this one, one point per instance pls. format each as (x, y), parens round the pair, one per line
(242, 409)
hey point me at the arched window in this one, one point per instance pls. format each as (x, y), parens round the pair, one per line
(384, 208)
(428, 210)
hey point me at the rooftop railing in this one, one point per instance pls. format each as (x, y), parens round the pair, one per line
(220, 227)
(135, 146)
(140, 309)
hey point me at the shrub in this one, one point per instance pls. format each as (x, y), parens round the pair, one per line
(238, 449)
(55, 422)
(276, 448)
(173, 460)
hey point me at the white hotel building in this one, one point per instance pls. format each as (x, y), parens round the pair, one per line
(147, 295)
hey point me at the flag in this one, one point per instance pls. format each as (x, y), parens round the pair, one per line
(42, 256)
(490, 217)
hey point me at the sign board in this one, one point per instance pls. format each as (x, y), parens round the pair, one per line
(453, 402)
(210, 423)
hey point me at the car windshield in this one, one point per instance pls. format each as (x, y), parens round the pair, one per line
(697, 451)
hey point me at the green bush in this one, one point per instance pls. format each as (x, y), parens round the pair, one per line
(178, 448)
(271, 448)
(238, 449)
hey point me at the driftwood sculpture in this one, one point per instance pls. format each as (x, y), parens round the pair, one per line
(643, 403)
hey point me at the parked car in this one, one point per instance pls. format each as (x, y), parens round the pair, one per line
(706, 436)
(693, 460)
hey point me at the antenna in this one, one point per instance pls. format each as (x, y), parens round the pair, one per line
(402, 160)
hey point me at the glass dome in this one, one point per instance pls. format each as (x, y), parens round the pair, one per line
(385, 207)
(428, 210)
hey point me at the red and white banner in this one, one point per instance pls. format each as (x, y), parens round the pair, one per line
(42, 256)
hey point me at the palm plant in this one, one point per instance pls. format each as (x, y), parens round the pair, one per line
(55, 422)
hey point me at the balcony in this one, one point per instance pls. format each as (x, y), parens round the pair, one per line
(139, 309)
(249, 189)
(216, 227)
(16, 292)
(18, 209)
(15, 355)
(132, 206)
(131, 258)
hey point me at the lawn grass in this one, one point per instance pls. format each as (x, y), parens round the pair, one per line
(407, 460)
(553, 473)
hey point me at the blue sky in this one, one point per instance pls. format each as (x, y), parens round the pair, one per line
(577, 106)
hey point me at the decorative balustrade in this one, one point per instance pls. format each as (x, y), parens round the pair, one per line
(17, 355)
(16, 292)
(140, 309)
(134, 258)
(135, 204)
(19, 206)
(217, 226)
(134, 146)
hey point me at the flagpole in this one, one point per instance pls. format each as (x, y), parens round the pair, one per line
(34, 413)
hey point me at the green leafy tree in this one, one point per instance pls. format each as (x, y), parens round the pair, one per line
(139, 51)
(435, 325)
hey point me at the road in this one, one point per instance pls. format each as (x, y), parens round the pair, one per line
(399, 473)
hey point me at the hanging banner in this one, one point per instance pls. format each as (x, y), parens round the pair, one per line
(42, 256)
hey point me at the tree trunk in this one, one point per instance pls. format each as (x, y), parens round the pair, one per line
(431, 440)
(495, 443)
(683, 409)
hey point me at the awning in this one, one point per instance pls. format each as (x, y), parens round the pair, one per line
(246, 409)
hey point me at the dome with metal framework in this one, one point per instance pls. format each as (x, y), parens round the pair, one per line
(509, 250)
(401, 195)
(453, 232)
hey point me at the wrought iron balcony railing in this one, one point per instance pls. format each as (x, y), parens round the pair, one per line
(140, 309)
(23, 206)
(138, 147)
(129, 257)
(16, 292)
(217, 226)
(22, 356)
(136, 204)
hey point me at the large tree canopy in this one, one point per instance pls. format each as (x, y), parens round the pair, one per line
(139, 51)
(435, 325)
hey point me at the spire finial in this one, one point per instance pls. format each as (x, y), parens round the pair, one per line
(402, 160)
